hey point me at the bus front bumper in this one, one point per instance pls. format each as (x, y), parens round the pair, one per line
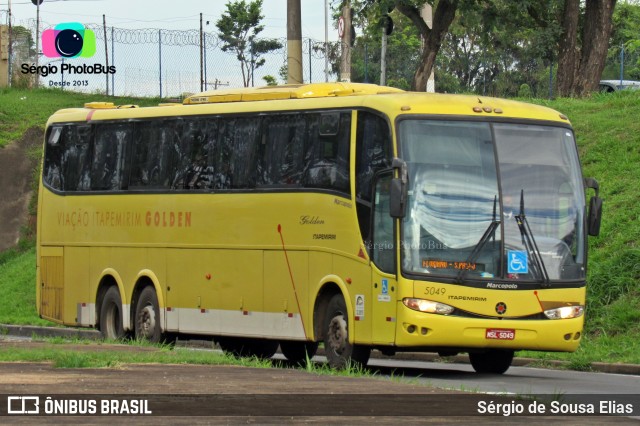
(423, 330)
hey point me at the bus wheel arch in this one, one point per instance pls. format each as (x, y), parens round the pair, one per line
(145, 312)
(320, 308)
(332, 325)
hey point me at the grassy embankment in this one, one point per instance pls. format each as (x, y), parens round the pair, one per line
(608, 132)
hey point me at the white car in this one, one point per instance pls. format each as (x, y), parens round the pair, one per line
(613, 85)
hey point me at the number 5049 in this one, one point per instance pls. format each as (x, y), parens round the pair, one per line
(500, 334)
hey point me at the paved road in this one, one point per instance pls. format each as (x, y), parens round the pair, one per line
(517, 380)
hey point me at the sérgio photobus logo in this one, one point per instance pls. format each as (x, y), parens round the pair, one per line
(68, 41)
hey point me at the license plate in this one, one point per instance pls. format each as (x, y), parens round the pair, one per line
(500, 334)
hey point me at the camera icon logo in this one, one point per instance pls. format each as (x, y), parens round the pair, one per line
(68, 40)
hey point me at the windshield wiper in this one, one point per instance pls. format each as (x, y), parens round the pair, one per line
(529, 242)
(478, 247)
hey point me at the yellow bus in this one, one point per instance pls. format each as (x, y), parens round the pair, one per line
(355, 215)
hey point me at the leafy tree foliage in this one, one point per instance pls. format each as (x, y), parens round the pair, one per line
(238, 29)
(625, 35)
(496, 46)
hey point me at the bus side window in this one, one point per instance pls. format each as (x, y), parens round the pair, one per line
(282, 162)
(238, 152)
(194, 149)
(77, 157)
(327, 152)
(52, 173)
(374, 153)
(151, 154)
(109, 156)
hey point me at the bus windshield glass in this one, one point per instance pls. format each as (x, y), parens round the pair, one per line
(492, 201)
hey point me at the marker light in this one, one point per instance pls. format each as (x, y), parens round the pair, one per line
(428, 306)
(565, 312)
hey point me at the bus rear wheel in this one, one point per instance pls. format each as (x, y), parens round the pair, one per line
(147, 319)
(492, 361)
(111, 315)
(298, 352)
(339, 352)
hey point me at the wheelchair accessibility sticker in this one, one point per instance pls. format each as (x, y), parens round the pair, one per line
(384, 296)
(517, 262)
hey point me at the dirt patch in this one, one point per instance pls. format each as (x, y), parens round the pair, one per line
(16, 173)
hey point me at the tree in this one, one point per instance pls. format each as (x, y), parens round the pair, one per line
(443, 14)
(625, 35)
(495, 47)
(581, 60)
(238, 29)
(403, 52)
(22, 51)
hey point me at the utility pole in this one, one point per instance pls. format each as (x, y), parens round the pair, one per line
(294, 42)
(106, 51)
(383, 51)
(326, 40)
(201, 56)
(345, 58)
(10, 64)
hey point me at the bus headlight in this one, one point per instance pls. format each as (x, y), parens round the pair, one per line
(565, 312)
(428, 306)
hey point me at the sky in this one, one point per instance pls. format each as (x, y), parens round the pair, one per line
(139, 68)
(166, 14)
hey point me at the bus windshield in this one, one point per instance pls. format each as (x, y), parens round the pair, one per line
(492, 201)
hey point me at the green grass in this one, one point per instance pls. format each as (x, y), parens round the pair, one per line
(24, 108)
(608, 134)
(57, 351)
(608, 131)
(17, 289)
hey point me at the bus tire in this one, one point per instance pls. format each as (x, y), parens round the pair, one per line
(111, 326)
(492, 361)
(147, 318)
(339, 352)
(298, 352)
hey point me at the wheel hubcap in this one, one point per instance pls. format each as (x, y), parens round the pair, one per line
(337, 334)
(147, 321)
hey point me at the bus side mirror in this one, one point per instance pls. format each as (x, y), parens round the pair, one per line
(594, 217)
(398, 190)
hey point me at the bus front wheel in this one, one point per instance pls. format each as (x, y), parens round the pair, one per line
(339, 352)
(493, 361)
(147, 317)
(111, 315)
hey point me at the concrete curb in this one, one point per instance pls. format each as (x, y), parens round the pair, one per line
(72, 333)
(32, 330)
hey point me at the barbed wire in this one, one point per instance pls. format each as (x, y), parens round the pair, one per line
(157, 61)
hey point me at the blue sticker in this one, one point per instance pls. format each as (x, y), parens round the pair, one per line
(517, 262)
(385, 286)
